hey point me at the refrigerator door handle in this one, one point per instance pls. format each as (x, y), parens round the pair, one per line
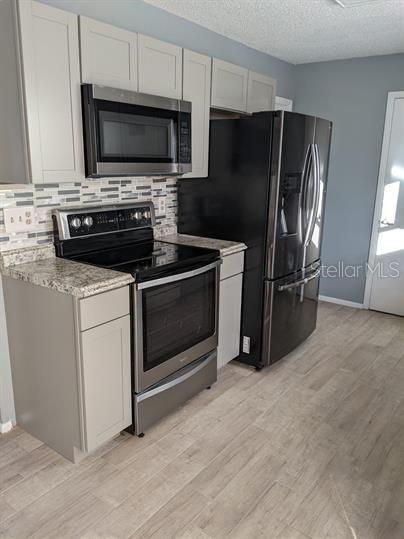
(316, 194)
(303, 191)
(299, 283)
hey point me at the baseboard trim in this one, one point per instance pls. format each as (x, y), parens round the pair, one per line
(343, 302)
(5, 427)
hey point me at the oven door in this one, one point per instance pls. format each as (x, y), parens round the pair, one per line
(128, 133)
(175, 320)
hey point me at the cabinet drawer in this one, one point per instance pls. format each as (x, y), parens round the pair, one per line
(104, 307)
(231, 265)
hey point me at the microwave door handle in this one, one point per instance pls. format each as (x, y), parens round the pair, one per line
(178, 276)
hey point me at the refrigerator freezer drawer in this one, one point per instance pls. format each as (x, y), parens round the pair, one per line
(290, 314)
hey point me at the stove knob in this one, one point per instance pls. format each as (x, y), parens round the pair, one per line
(75, 222)
(88, 221)
(146, 214)
(137, 215)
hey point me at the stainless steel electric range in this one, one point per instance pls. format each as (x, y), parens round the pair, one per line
(174, 301)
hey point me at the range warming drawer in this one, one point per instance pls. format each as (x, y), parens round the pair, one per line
(161, 399)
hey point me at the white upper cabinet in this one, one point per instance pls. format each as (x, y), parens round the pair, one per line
(160, 67)
(229, 86)
(196, 88)
(51, 72)
(261, 92)
(108, 55)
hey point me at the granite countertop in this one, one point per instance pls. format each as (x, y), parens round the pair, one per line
(41, 267)
(225, 247)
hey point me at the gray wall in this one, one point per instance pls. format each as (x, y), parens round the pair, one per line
(146, 19)
(353, 94)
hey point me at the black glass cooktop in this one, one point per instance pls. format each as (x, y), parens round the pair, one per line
(150, 259)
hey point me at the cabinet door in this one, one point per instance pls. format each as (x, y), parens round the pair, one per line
(160, 67)
(108, 55)
(229, 319)
(261, 92)
(196, 88)
(106, 381)
(229, 86)
(51, 69)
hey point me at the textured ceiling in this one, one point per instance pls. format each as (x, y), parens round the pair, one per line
(301, 31)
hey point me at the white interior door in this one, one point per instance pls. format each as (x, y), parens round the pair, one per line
(385, 283)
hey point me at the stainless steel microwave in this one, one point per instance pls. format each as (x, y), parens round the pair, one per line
(132, 134)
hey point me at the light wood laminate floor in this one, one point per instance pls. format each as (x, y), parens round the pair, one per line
(312, 448)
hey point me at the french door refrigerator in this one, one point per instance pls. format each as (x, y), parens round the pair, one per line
(266, 187)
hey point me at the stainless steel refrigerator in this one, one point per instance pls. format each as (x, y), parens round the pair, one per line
(266, 187)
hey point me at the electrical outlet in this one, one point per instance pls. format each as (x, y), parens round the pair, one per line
(162, 205)
(246, 345)
(20, 219)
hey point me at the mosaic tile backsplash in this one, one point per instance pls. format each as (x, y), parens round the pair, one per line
(45, 197)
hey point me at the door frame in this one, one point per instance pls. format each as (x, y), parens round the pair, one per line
(388, 123)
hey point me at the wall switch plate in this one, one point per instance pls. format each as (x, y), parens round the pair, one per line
(162, 205)
(246, 345)
(20, 219)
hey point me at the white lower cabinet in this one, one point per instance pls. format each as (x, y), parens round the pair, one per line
(229, 319)
(230, 300)
(72, 370)
(106, 380)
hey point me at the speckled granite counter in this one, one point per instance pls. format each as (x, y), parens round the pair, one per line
(225, 247)
(40, 266)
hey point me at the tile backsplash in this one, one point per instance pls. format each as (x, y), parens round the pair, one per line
(45, 197)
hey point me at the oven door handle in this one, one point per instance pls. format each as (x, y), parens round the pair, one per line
(178, 276)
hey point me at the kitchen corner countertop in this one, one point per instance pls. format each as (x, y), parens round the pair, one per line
(225, 247)
(60, 274)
